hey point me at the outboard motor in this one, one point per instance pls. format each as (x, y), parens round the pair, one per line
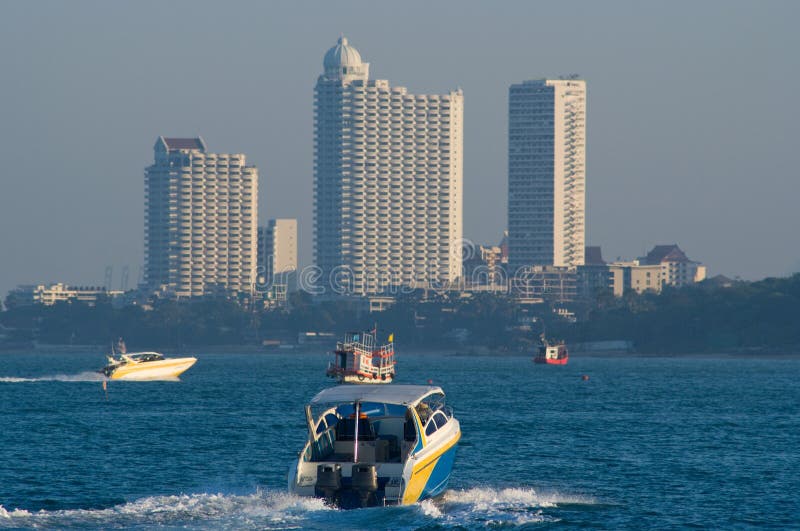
(365, 483)
(329, 482)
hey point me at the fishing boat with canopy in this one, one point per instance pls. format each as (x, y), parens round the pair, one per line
(360, 359)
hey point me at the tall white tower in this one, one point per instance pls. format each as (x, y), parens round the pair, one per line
(388, 179)
(200, 220)
(546, 173)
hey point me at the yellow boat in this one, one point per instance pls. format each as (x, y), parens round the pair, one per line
(145, 366)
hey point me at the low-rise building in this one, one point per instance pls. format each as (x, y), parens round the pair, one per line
(635, 276)
(550, 283)
(594, 277)
(664, 265)
(49, 294)
(676, 268)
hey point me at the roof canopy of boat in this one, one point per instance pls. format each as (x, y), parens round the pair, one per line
(405, 395)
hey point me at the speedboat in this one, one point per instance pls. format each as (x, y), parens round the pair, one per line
(145, 366)
(360, 359)
(376, 445)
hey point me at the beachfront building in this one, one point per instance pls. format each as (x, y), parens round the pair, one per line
(200, 220)
(387, 180)
(50, 294)
(664, 265)
(676, 268)
(546, 173)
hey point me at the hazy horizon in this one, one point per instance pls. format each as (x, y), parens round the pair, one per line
(691, 116)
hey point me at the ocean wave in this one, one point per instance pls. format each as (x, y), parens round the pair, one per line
(86, 376)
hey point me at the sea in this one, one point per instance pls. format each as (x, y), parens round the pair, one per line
(601, 443)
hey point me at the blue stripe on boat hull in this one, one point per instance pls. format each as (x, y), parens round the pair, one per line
(437, 482)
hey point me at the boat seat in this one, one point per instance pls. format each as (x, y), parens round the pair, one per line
(343, 451)
(346, 430)
(392, 447)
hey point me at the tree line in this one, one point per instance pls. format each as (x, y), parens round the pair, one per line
(744, 316)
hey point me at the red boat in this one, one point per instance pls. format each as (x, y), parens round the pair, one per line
(552, 354)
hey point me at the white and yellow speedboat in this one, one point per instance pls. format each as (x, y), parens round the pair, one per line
(373, 446)
(145, 366)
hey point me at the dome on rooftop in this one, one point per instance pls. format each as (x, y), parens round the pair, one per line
(341, 55)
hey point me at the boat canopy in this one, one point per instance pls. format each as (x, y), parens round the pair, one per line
(407, 395)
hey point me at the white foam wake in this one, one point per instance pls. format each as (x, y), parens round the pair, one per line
(86, 376)
(477, 507)
(258, 511)
(488, 506)
(515, 496)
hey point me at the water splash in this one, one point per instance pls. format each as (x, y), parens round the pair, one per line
(515, 496)
(471, 508)
(271, 510)
(497, 507)
(86, 376)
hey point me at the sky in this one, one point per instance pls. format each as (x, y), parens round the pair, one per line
(691, 123)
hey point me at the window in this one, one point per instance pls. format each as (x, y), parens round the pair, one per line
(431, 427)
(437, 421)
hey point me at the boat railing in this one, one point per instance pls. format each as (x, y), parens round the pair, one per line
(368, 358)
(378, 362)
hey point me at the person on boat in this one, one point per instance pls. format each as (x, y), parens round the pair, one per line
(424, 412)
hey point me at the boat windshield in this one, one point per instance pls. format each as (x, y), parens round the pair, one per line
(146, 356)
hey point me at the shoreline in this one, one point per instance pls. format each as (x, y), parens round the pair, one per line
(323, 350)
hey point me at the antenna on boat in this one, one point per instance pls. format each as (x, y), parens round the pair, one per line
(355, 437)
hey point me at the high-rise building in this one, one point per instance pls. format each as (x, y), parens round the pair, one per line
(277, 250)
(388, 179)
(546, 173)
(200, 220)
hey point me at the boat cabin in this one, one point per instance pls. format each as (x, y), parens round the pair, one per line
(360, 359)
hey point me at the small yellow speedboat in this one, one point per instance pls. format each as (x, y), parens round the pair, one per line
(146, 366)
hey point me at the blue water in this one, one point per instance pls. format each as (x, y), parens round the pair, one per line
(645, 442)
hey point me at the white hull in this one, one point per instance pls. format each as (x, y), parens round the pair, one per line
(353, 379)
(168, 369)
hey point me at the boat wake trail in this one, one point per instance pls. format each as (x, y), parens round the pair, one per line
(260, 510)
(476, 508)
(87, 376)
(479, 507)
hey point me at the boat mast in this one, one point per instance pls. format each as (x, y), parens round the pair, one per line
(355, 437)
